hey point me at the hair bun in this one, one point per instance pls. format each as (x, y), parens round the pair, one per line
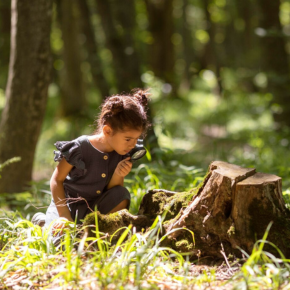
(141, 96)
(115, 105)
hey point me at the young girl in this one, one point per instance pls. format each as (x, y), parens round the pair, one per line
(91, 169)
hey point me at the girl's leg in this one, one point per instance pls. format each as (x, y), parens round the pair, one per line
(115, 199)
(122, 205)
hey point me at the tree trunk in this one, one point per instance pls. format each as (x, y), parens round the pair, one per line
(5, 27)
(211, 56)
(247, 11)
(26, 93)
(248, 43)
(275, 59)
(126, 16)
(127, 74)
(160, 15)
(188, 50)
(72, 88)
(93, 50)
(227, 213)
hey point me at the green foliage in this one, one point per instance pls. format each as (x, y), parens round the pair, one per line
(35, 199)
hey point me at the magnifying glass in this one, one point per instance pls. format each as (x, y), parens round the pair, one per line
(138, 151)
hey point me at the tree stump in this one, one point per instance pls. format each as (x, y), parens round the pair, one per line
(229, 211)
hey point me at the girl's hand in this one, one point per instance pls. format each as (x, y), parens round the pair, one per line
(59, 225)
(124, 167)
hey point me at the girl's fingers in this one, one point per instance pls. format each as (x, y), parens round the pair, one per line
(59, 224)
(124, 167)
(125, 164)
(58, 227)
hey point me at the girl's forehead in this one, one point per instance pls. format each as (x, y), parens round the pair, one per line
(132, 133)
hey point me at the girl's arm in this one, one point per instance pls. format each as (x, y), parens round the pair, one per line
(57, 189)
(122, 169)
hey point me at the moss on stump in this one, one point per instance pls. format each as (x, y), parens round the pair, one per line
(110, 223)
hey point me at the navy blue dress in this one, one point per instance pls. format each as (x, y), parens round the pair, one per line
(85, 185)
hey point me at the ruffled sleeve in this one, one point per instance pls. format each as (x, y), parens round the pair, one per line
(71, 151)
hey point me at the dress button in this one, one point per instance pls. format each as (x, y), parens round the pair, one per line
(106, 157)
(98, 191)
(103, 175)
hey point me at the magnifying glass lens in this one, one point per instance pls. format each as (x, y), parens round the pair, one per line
(139, 154)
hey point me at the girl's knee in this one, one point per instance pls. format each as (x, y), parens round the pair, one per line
(124, 204)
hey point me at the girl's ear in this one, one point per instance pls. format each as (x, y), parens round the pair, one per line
(107, 130)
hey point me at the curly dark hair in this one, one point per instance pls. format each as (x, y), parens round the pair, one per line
(122, 112)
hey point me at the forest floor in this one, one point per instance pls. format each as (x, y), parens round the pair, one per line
(21, 280)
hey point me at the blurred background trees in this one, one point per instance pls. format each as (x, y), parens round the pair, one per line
(218, 72)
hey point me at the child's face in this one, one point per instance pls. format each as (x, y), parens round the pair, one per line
(123, 141)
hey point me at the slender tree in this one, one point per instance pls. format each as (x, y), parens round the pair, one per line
(72, 85)
(188, 50)
(5, 16)
(126, 17)
(120, 42)
(275, 59)
(93, 49)
(26, 92)
(160, 15)
(211, 56)
(246, 11)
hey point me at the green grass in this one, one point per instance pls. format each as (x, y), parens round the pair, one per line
(28, 258)
(138, 260)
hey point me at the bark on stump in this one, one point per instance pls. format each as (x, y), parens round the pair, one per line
(229, 211)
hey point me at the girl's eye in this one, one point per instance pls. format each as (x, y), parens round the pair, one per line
(127, 140)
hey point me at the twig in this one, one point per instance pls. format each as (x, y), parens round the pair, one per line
(222, 251)
(71, 200)
(67, 201)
